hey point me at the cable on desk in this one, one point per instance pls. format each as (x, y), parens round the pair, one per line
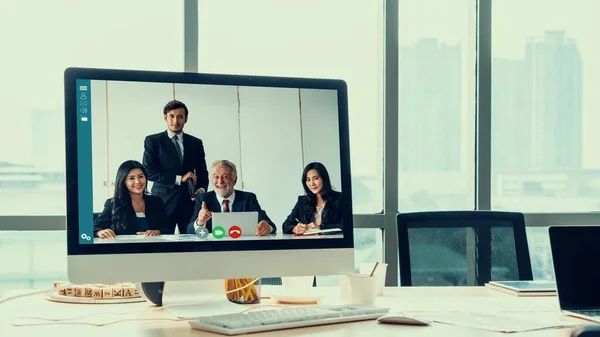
(14, 297)
(73, 320)
(101, 324)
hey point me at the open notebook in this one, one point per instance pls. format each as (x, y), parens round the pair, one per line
(316, 231)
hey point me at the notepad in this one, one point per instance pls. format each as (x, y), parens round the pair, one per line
(525, 288)
(316, 231)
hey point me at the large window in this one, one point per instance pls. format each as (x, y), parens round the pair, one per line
(314, 38)
(38, 45)
(436, 105)
(546, 71)
(32, 259)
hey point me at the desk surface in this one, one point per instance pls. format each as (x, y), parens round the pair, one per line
(428, 301)
(194, 238)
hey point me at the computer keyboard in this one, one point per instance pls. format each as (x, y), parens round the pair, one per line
(285, 318)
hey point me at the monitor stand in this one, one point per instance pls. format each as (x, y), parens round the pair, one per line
(190, 299)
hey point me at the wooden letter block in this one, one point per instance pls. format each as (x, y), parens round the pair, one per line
(58, 284)
(107, 292)
(129, 292)
(88, 292)
(70, 292)
(97, 292)
(79, 291)
(62, 292)
(117, 292)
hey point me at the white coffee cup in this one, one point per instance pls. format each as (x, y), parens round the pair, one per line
(358, 289)
(297, 283)
(380, 273)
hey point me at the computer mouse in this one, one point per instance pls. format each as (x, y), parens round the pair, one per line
(586, 331)
(401, 318)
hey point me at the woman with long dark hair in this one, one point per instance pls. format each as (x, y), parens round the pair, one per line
(320, 207)
(131, 210)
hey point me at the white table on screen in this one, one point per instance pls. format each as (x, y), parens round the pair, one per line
(194, 238)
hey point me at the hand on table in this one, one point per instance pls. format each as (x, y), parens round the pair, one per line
(149, 232)
(263, 228)
(106, 234)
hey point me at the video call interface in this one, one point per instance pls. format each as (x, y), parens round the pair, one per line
(167, 162)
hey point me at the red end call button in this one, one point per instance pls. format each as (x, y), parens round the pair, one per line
(235, 232)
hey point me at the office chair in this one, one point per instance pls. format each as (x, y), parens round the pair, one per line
(462, 248)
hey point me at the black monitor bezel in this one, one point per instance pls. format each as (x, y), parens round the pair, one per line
(71, 75)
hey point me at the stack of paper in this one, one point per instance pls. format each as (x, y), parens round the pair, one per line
(525, 288)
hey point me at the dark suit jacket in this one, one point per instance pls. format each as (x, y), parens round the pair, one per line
(244, 202)
(331, 217)
(162, 165)
(155, 216)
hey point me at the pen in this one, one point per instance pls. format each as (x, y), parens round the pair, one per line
(298, 221)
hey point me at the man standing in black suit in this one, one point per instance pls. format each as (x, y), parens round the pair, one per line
(171, 158)
(224, 198)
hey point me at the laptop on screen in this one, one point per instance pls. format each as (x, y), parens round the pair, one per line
(575, 255)
(245, 221)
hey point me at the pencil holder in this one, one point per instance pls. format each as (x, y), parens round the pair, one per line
(243, 290)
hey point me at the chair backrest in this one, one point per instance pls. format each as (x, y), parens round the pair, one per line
(457, 248)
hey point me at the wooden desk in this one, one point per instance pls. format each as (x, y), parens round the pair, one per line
(429, 301)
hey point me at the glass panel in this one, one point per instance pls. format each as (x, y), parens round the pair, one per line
(436, 105)
(107, 34)
(368, 248)
(546, 68)
(292, 38)
(539, 249)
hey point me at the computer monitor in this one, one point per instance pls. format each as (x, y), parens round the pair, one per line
(263, 130)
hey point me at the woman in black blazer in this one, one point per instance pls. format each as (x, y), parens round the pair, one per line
(320, 207)
(131, 210)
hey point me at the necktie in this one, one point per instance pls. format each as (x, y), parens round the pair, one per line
(225, 205)
(178, 149)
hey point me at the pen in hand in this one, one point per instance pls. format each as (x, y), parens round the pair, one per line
(302, 227)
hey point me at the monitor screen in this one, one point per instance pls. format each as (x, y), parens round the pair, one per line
(201, 163)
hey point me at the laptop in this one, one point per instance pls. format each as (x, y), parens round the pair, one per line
(244, 221)
(575, 255)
